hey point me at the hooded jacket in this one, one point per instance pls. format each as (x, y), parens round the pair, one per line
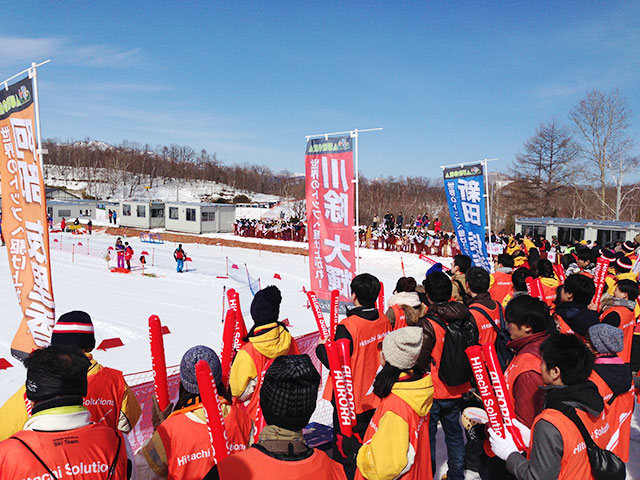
(546, 451)
(410, 304)
(388, 451)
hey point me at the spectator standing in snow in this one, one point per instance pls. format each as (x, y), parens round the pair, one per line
(63, 223)
(179, 255)
(110, 215)
(60, 434)
(115, 216)
(120, 252)
(128, 254)
(89, 226)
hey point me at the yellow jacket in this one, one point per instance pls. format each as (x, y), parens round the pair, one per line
(273, 343)
(388, 453)
(13, 414)
(611, 286)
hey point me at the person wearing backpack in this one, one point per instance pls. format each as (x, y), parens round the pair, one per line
(557, 445)
(445, 318)
(487, 313)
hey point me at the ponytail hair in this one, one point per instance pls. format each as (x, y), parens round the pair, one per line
(389, 375)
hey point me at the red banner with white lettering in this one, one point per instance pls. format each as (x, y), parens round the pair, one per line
(330, 217)
(24, 218)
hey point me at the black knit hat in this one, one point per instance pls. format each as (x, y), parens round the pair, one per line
(628, 246)
(56, 371)
(289, 392)
(74, 328)
(265, 306)
(623, 265)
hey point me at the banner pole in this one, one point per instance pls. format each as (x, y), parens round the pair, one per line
(357, 182)
(34, 75)
(487, 196)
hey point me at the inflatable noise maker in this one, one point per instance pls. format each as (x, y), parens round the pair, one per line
(493, 391)
(339, 363)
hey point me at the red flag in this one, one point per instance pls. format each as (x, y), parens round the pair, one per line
(235, 266)
(277, 275)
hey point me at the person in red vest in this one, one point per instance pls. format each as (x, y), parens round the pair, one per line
(405, 307)
(447, 401)
(613, 379)
(398, 435)
(548, 280)
(59, 440)
(556, 445)
(180, 447)
(364, 328)
(109, 399)
(572, 306)
(483, 308)
(287, 399)
(267, 340)
(621, 313)
(501, 285)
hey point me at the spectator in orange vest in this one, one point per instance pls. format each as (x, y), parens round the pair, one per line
(620, 313)
(572, 306)
(405, 307)
(180, 447)
(556, 445)
(501, 285)
(60, 435)
(482, 306)
(109, 398)
(287, 399)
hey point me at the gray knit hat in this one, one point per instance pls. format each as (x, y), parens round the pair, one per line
(188, 366)
(606, 338)
(401, 348)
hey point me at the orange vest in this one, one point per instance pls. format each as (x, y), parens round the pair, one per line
(627, 325)
(486, 332)
(548, 294)
(502, 286)
(563, 327)
(442, 391)
(81, 453)
(524, 362)
(189, 453)
(575, 461)
(260, 361)
(105, 391)
(253, 464)
(418, 433)
(366, 335)
(618, 416)
(401, 321)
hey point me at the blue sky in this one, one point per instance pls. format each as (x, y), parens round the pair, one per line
(448, 81)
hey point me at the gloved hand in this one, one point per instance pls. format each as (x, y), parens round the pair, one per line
(502, 447)
(158, 416)
(525, 432)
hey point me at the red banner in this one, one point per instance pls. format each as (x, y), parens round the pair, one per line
(233, 333)
(330, 217)
(24, 220)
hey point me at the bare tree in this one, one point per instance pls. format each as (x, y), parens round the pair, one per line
(543, 169)
(601, 121)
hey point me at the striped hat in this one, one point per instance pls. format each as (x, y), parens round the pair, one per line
(623, 264)
(74, 328)
(628, 246)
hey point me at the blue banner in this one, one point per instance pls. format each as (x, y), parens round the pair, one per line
(464, 187)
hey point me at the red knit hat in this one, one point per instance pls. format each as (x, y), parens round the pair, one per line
(74, 328)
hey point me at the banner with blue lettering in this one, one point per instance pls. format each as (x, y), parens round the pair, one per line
(464, 187)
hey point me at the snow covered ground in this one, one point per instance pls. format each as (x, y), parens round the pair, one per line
(190, 303)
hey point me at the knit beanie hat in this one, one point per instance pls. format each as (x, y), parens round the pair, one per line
(58, 370)
(606, 338)
(606, 253)
(188, 367)
(289, 392)
(628, 246)
(265, 307)
(401, 348)
(437, 267)
(623, 265)
(74, 328)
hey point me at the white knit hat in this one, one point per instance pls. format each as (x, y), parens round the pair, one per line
(401, 348)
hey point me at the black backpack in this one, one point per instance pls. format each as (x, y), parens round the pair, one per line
(454, 368)
(504, 353)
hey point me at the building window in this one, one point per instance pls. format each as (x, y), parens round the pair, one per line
(64, 213)
(534, 230)
(141, 211)
(126, 210)
(568, 235)
(157, 212)
(85, 213)
(191, 214)
(208, 216)
(173, 213)
(606, 236)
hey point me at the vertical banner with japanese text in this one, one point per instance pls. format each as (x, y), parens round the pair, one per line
(330, 217)
(464, 188)
(24, 218)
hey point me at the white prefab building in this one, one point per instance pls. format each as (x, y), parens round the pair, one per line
(199, 217)
(71, 209)
(569, 230)
(141, 214)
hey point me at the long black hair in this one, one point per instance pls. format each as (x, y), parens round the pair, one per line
(389, 375)
(186, 398)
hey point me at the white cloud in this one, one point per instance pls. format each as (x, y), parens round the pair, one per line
(14, 50)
